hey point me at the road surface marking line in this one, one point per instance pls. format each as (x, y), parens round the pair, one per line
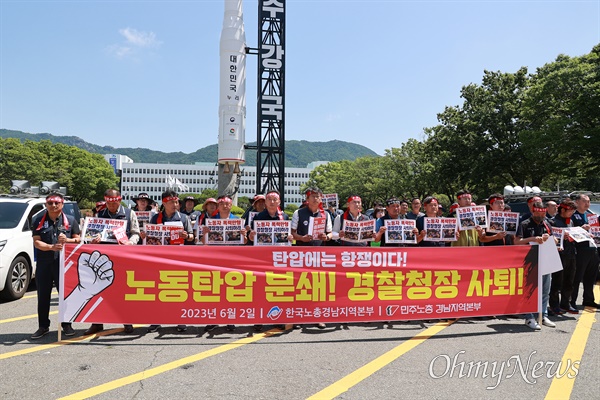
(4, 321)
(561, 387)
(43, 347)
(370, 368)
(117, 383)
(31, 296)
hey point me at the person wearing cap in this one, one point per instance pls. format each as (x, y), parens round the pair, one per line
(393, 206)
(209, 209)
(271, 212)
(415, 212)
(224, 204)
(194, 215)
(496, 202)
(352, 213)
(51, 230)
(468, 237)
(170, 214)
(536, 229)
(431, 208)
(301, 220)
(258, 205)
(378, 212)
(100, 205)
(115, 210)
(561, 287)
(587, 256)
(143, 202)
(440, 211)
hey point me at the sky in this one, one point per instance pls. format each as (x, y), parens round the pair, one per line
(376, 73)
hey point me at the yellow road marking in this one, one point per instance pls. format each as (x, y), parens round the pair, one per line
(4, 321)
(369, 369)
(108, 386)
(561, 388)
(57, 344)
(31, 296)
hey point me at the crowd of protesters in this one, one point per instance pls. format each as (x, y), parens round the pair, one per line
(560, 290)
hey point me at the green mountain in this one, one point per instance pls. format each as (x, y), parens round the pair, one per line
(298, 153)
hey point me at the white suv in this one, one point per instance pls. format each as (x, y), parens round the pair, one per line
(17, 257)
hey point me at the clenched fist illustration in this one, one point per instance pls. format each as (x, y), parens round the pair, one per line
(95, 272)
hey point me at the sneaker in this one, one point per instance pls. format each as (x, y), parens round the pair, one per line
(128, 328)
(570, 310)
(40, 332)
(321, 326)
(95, 328)
(591, 304)
(296, 326)
(546, 322)
(68, 330)
(181, 328)
(532, 323)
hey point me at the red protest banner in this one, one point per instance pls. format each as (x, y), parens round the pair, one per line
(197, 285)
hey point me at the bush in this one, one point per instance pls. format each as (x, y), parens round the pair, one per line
(237, 211)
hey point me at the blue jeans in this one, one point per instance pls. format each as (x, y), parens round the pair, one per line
(546, 282)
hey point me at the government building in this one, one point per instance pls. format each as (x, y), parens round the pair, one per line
(194, 178)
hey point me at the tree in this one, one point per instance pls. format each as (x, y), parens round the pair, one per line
(364, 177)
(86, 176)
(20, 161)
(562, 114)
(477, 145)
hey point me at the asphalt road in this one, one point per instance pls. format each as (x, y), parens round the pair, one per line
(467, 359)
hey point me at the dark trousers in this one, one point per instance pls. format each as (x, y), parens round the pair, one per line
(46, 275)
(587, 268)
(562, 282)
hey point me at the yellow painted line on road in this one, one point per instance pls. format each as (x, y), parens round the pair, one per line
(117, 383)
(4, 321)
(43, 347)
(561, 387)
(31, 296)
(344, 384)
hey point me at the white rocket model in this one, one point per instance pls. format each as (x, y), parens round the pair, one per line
(232, 102)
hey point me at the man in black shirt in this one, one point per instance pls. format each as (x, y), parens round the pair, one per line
(51, 230)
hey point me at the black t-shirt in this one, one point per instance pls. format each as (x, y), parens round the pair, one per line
(420, 223)
(530, 228)
(49, 230)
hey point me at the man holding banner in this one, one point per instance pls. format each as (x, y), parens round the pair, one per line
(536, 230)
(301, 220)
(115, 210)
(170, 216)
(352, 213)
(51, 229)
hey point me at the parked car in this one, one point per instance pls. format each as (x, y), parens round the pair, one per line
(17, 254)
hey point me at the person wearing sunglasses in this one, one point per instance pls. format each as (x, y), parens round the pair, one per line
(51, 230)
